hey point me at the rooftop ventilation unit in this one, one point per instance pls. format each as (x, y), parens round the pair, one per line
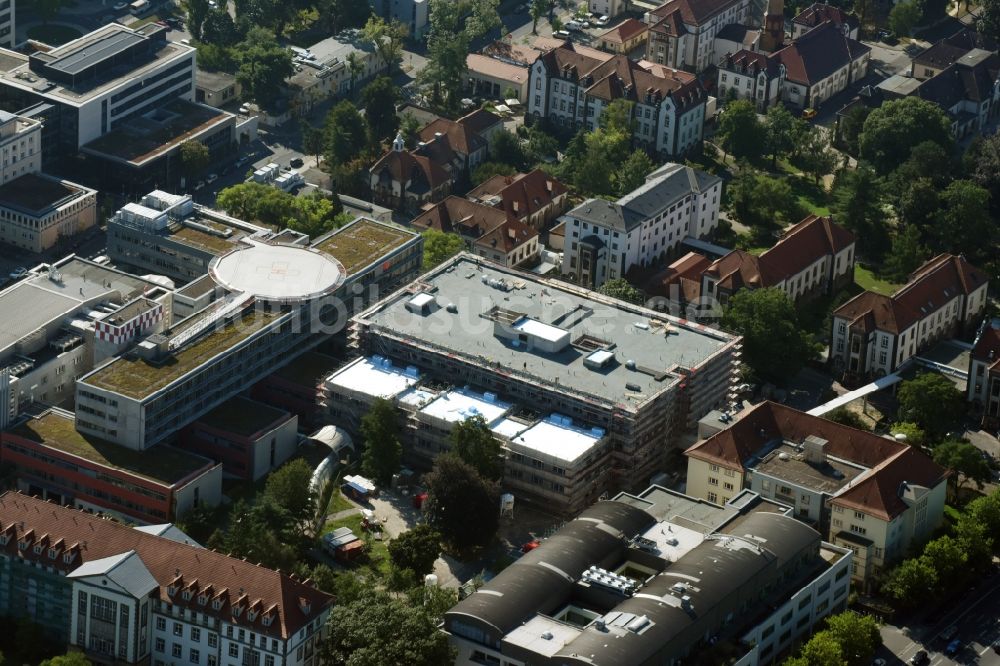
(599, 360)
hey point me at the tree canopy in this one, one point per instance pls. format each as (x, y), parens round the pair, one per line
(379, 98)
(194, 158)
(966, 461)
(775, 346)
(741, 132)
(439, 246)
(857, 204)
(932, 402)
(461, 504)
(387, 37)
(68, 659)
(383, 452)
(263, 66)
(858, 636)
(473, 441)
(416, 549)
(621, 289)
(378, 629)
(454, 25)
(289, 487)
(891, 131)
(313, 214)
(346, 132)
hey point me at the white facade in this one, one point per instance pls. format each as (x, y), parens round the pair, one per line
(693, 51)
(20, 146)
(609, 8)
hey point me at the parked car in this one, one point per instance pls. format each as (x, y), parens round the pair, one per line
(18, 272)
(118, 6)
(809, 114)
(199, 186)
(573, 25)
(211, 178)
(604, 20)
(920, 658)
(953, 648)
(561, 34)
(295, 162)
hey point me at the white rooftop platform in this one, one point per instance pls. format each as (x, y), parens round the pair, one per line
(286, 273)
(509, 428)
(543, 635)
(557, 440)
(376, 377)
(673, 540)
(460, 405)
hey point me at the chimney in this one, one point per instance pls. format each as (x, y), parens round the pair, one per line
(548, 185)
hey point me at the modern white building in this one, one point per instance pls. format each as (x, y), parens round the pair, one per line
(150, 595)
(605, 239)
(570, 87)
(100, 80)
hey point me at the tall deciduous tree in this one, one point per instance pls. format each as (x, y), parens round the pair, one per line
(621, 289)
(539, 8)
(741, 132)
(378, 629)
(197, 12)
(263, 67)
(906, 255)
(908, 583)
(988, 22)
(194, 158)
(416, 549)
(857, 204)
(775, 346)
(219, 29)
(633, 172)
(763, 203)
(68, 659)
(964, 224)
(858, 636)
(461, 504)
(289, 487)
(965, 461)
(454, 25)
(383, 452)
(931, 401)
(346, 133)
(783, 132)
(439, 246)
(379, 98)
(473, 441)
(891, 131)
(903, 17)
(387, 37)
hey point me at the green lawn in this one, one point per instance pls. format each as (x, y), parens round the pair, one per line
(812, 197)
(376, 562)
(338, 503)
(53, 34)
(866, 279)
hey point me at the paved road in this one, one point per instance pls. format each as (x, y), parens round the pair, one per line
(978, 627)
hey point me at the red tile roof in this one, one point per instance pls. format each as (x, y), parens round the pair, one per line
(818, 12)
(170, 562)
(671, 24)
(520, 195)
(988, 343)
(880, 493)
(804, 243)
(819, 53)
(694, 12)
(507, 237)
(750, 62)
(460, 137)
(735, 446)
(684, 272)
(626, 30)
(404, 166)
(457, 215)
(930, 287)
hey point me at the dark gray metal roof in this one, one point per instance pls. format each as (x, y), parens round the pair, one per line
(88, 55)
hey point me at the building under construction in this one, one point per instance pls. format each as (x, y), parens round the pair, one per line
(634, 378)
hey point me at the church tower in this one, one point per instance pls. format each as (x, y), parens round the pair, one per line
(772, 37)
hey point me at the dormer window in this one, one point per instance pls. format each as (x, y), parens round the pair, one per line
(237, 610)
(217, 604)
(171, 590)
(68, 557)
(305, 606)
(38, 549)
(4, 539)
(52, 553)
(186, 595)
(22, 544)
(267, 620)
(251, 615)
(202, 599)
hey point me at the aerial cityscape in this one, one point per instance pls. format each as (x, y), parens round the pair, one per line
(499, 332)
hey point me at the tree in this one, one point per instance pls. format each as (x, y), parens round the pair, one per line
(903, 17)
(289, 487)
(487, 170)
(68, 659)
(850, 127)
(988, 22)
(409, 127)
(539, 8)
(821, 650)
(763, 203)
(932, 402)
(313, 141)
(379, 98)
(621, 289)
(439, 246)
(258, 202)
(965, 461)
(47, 9)
(948, 559)
(214, 58)
(915, 435)
(891, 131)
(271, 15)
(263, 67)
(985, 511)
(388, 38)
(985, 167)
(857, 205)
(844, 416)
(219, 29)
(383, 452)
(261, 533)
(814, 156)
(378, 629)
(337, 15)
(783, 131)
(909, 582)
(774, 345)
(919, 205)
(473, 441)
(964, 223)
(857, 635)
(506, 149)
(197, 11)
(462, 505)
(198, 522)
(194, 158)
(346, 133)
(740, 131)
(453, 27)
(633, 172)
(416, 549)
(906, 255)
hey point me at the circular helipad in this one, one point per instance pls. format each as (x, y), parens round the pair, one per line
(278, 272)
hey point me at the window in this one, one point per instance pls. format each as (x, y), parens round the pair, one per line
(178, 629)
(195, 634)
(213, 640)
(175, 650)
(268, 660)
(234, 650)
(212, 661)
(712, 481)
(160, 645)
(194, 656)
(859, 515)
(712, 497)
(727, 485)
(857, 529)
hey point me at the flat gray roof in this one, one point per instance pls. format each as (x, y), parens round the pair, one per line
(787, 463)
(656, 343)
(36, 301)
(90, 54)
